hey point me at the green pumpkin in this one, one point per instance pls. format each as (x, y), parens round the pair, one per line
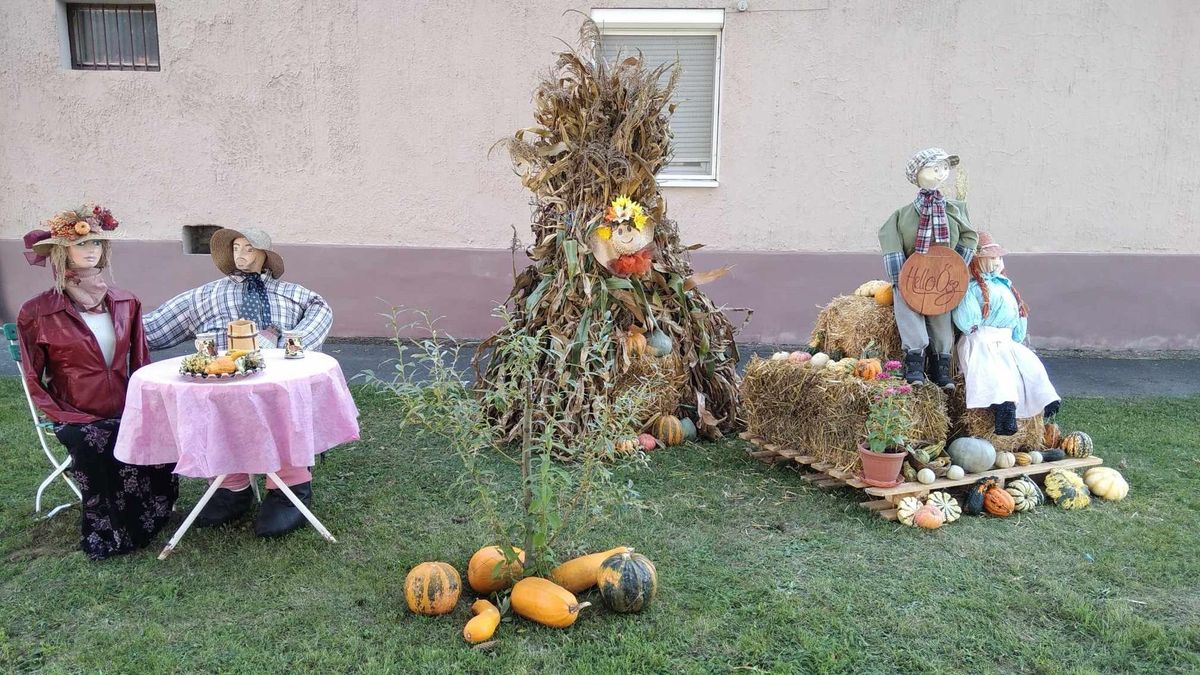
(974, 455)
(628, 582)
(1053, 455)
(1067, 490)
(689, 428)
(975, 495)
(660, 343)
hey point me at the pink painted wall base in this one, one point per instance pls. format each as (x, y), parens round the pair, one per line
(1101, 302)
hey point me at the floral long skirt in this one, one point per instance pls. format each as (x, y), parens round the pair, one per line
(124, 506)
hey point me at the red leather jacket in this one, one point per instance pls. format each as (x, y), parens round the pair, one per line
(67, 376)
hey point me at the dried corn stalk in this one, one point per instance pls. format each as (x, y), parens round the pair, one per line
(602, 131)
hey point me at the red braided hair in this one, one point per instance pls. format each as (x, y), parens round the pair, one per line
(977, 274)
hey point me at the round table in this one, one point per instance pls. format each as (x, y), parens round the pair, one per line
(285, 415)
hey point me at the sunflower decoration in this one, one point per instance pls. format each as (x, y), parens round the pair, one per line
(623, 242)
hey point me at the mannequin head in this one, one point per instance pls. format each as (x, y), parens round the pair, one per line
(932, 175)
(989, 265)
(248, 259)
(86, 255)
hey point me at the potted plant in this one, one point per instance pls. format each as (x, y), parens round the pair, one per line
(885, 441)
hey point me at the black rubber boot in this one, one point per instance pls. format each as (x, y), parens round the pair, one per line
(939, 371)
(225, 506)
(1051, 410)
(1006, 418)
(914, 367)
(278, 515)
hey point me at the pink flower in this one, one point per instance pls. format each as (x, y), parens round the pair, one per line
(893, 365)
(890, 391)
(882, 376)
(905, 389)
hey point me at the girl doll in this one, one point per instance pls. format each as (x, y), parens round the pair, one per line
(80, 341)
(1000, 372)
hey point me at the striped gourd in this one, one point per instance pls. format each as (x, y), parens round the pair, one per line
(1077, 444)
(668, 429)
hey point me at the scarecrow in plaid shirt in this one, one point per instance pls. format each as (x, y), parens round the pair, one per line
(251, 289)
(929, 219)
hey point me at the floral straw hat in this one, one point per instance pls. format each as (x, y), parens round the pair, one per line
(221, 249)
(67, 228)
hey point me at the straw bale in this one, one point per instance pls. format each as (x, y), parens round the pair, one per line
(823, 413)
(850, 322)
(663, 381)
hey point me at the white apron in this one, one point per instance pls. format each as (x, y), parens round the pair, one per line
(998, 369)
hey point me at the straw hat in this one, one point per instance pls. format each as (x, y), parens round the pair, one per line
(75, 226)
(221, 249)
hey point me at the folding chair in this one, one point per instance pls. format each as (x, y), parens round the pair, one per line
(14, 350)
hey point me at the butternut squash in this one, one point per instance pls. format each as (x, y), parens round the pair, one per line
(579, 574)
(483, 625)
(545, 602)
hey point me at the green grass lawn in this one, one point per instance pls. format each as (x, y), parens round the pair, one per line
(758, 571)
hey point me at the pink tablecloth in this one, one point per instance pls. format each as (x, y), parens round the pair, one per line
(285, 415)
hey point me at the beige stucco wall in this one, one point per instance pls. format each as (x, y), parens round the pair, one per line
(370, 121)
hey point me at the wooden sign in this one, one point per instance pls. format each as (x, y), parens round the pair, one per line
(933, 283)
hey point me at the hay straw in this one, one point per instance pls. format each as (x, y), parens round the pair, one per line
(662, 379)
(981, 423)
(850, 322)
(822, 413)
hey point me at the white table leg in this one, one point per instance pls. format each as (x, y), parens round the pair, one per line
(303, 509)
(191, 517)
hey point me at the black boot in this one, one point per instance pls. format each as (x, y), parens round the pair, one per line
(1006, 418)
(914, 367)
(225, 506)
(939, 371)
(1051, 410)
(278, 515)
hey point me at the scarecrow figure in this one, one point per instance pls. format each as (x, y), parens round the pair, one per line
(251, 290)
(1000, 372)
(913, 228)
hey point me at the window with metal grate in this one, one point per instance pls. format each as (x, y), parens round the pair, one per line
(113, 36)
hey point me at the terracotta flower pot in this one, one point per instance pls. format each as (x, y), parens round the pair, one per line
(881, 469)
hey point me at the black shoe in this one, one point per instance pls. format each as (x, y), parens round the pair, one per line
(939, 367)
(278, 514)
(914, 367)
(225, 506)
(1006, 418)
(1051, 410)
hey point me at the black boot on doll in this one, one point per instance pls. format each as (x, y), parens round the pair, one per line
(1051, 410)
(1006, 418)
(914, 367)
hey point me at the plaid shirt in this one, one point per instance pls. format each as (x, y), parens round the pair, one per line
(210, 308)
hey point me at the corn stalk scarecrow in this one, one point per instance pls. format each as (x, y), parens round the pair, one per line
(610, 290)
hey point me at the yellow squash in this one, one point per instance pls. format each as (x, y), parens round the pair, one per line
(580, 573)
(545, 602)
(483, 625)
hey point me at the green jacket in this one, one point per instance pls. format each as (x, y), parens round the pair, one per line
(898, 235)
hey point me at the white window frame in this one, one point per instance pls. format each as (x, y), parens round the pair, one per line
(676, 22)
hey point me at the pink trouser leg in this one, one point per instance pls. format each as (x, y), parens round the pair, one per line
(290, 475)
(235, 481)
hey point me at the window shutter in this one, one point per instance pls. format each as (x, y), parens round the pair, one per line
(695, 95)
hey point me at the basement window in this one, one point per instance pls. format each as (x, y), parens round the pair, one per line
(112, 36)
(197, 237)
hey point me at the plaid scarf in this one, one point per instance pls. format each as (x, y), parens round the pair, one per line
(933, 228)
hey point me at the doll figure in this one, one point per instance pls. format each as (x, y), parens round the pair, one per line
(1000, 372)
(80, 341)
(913, 228)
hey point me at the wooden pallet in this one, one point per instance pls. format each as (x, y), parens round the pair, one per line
(883, 501)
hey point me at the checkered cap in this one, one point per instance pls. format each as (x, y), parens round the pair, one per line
(923, 157)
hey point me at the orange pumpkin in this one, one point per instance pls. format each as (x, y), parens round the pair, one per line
(1051, 435)
(635, 344)
(867, 369)
(883, 296)
(432, 588)
(998, 502)
(668, 429)
(487, 573)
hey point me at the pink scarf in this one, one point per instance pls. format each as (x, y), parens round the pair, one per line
(87, 288)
